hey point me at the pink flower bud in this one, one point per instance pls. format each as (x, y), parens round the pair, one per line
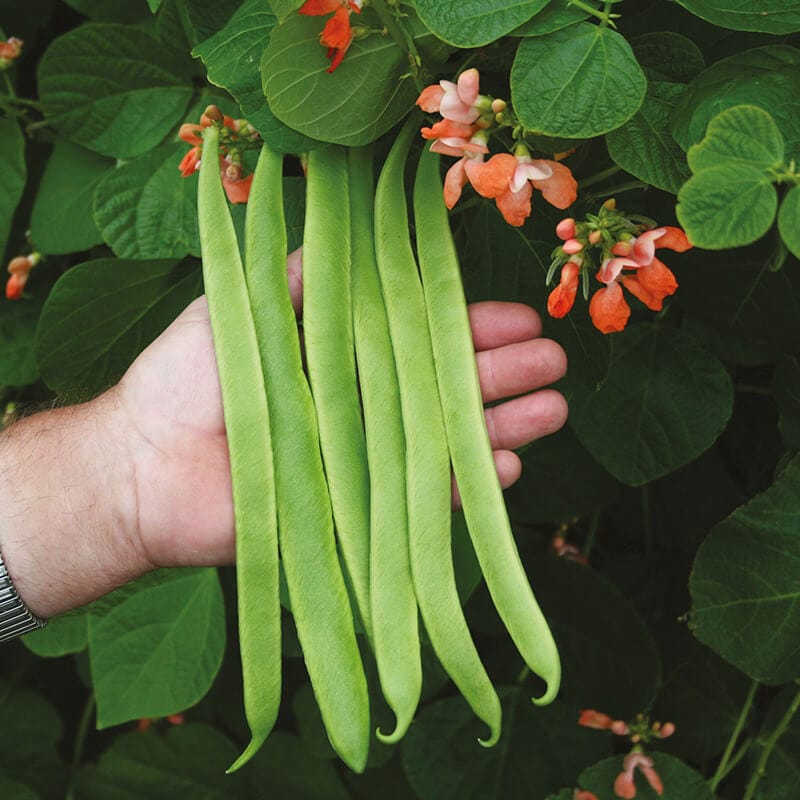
(667, 729)
(566, 229)
(619, 727)
(572, 246)
(499, 105)
(595, 237)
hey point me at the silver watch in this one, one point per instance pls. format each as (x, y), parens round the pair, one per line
(15, 617)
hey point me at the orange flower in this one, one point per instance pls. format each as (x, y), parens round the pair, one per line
(458, 102)
(9, 51)
(561, 300)
(19, 269)
(236, 187)
(590, 718)
(190, 162)
(337, 35)
(625, 784)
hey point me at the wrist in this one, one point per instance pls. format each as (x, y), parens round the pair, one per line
(68, 512)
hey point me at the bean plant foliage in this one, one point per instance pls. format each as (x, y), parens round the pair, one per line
(660, 528)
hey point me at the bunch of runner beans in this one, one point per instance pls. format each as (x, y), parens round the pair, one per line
(352, 455)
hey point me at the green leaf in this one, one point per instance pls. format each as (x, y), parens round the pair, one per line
(154, 5)
(12, 175)
(157, 652)
(145, 209)
(643, 145)
(768, 77)
(555, 15)
(769, 16)
(286, 768)
(16, 791)
(354, 105)
(786, 389)
(233, 59)
(62, 220)
(189, 761)
(782, 773)
(203, 18)
(668, 56)
(745, 584)
(577, 82)
(727, 206)
(102, 314)
(282, 8)
(17, 331)
(470, 23)
(680, 781)
(113, 88)
(789, 220)
(739, 136)
(64, 634)
(110, 10)
(642, 419)
(540, 750)
(609, 658)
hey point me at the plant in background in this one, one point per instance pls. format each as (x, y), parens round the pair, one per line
(651, 127)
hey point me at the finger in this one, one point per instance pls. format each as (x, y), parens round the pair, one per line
(294, 268)
(495, 324)
(509, 469)
(520, 368)
(523, 420)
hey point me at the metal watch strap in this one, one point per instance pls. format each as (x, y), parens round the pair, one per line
(15, 617)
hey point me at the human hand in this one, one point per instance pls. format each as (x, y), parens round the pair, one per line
(174, 407)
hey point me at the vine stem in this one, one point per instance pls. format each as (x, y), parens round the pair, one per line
(80, 741)
(598, 177)
(769, 745)
(722, 767)
(403, 40)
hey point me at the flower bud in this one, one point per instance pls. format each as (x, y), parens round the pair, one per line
(619, 727)
(211, 115)
(498, 105)
(610, 204)
(595, 236)
(667, 729)
(572, 246)
(566, 229)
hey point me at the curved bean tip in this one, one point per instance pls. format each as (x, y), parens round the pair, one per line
(396, 735)
(249, 752)
(494, 737)
(549, 695)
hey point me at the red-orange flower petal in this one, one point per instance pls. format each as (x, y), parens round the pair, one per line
(337, 32)
(559, 304)
(237, 191)
(491, 178)
(430, 98)
(191, 133)
(190, 161)
(651, 284)
(561, 188)
(15, 285)
(515, 206)
(608, 309)
(454, 182)
(316, 8)
(446, 128)
(590, 718)
(674, 239)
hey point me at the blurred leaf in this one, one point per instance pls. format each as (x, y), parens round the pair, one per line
(16, 791)
(609, 659)
(17, 333)
(560, 480)
(203, 18)
(745, 583)
(540, 750)
(643, 420)
(786, 388)
(62, 220)
(668, 56)
(233, 59)
(789, 220)
(113, 88)
(555, 15)
(111, 10)
(189, 761)
(643, 145)
(771, 16)
(768, 77)
(145, 209)
(576, 82)
(680, 781)
(102, 314)
(158, 652)
(12, 174)
(473, 23)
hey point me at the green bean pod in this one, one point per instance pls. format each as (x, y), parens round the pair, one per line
(317, 591)
(470, 448)
(250, 448)
(330, 359)
(395, 626)
(428, 465)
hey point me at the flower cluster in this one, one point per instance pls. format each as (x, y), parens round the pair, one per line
(236, 135)
(640, 731)
(469, 120)
(9, 52)
(625, 249)
(19, 268)
(337, 35)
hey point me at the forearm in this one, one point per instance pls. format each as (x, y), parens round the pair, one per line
(68, 531)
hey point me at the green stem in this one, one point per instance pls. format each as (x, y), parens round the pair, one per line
(605, 16)
(523, 675)
(402, 39)
(619, 188)
(80, 741)
(591, 534)
(769, 745)
(9, 86)
(722, 767)
(598, 177)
